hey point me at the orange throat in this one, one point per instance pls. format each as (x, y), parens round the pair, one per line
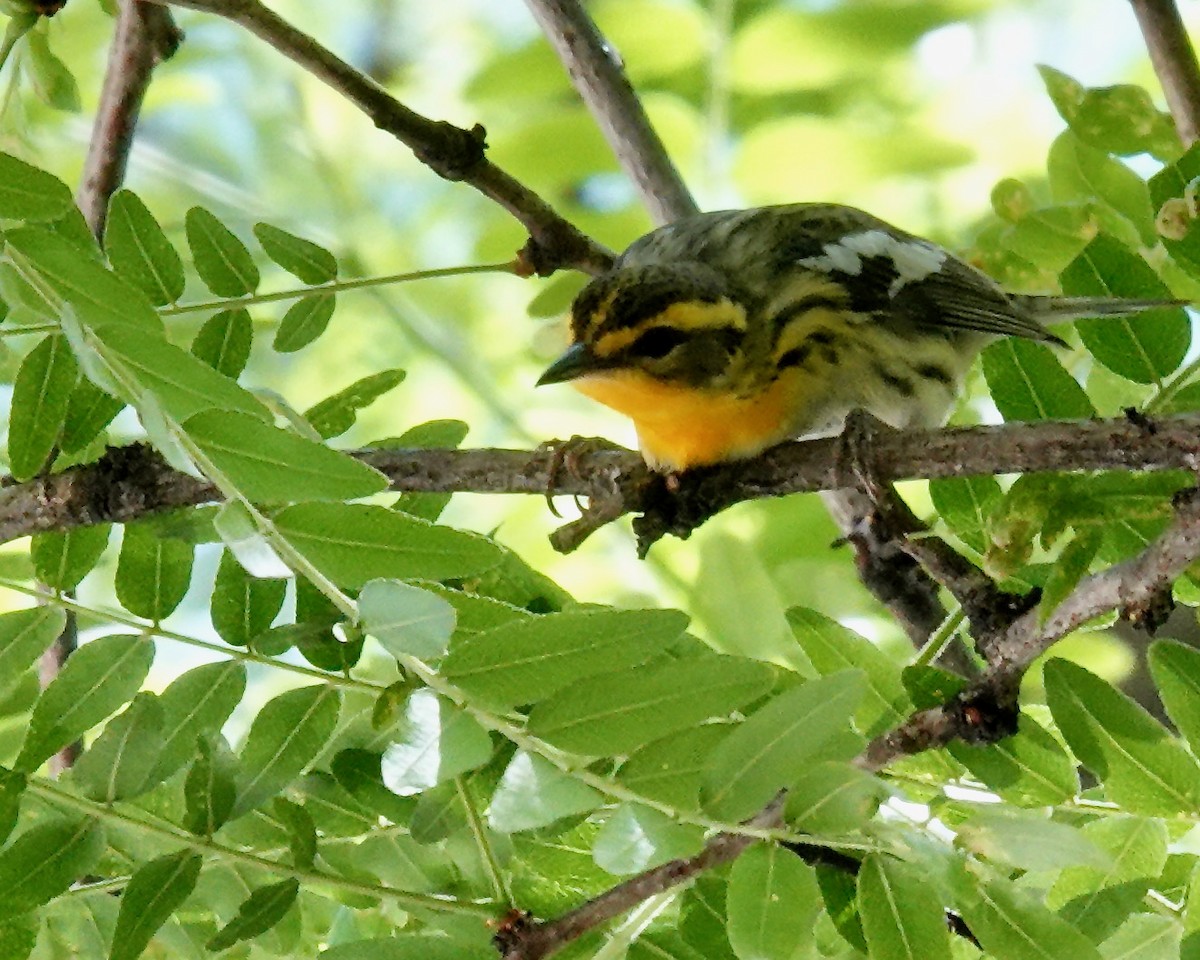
(680, 426)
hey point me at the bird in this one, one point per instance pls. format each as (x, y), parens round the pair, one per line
(724, 333)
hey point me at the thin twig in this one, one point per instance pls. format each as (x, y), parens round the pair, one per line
(145, 36)
(451, 152)
(1174, 61)
(599, 75)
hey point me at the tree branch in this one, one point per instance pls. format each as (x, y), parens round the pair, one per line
(451, 152)
(598, 74)
(1174, 61)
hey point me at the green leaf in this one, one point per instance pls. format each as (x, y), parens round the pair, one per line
(62, 558)
(1119, 119)
(406, 620)
(1143, 768)
(404, 946)
(24, 637)
(438, 742)
(121, 762)
(270, 465)
(1028, 841)
(302, 258)
(1176, 670)
(89, 411)
(97, 295)
(359, 772)
(1143, 348)
(153, 893)
(286, 736)
(224, 340)
(302, 832)
(670, 769)
(663, 945)
(528, 660)
(153, 572)
(334, 415)
(221, 259)
(195, 704)
(1071, 567)
(12, 789)
(831, 648)
(902, 916)
(354, 543)
(1098, 914)
(833, 798)
(435, 435)
(97, 679)
(304, 321)
(1029, 769)
(1028, 383)
(635, 838)
(139, 250)
(44, 861)
(182, 384)
(257, 914)
(965, 504)
(532, 794)
(1080, 172)
(1145, 937)
(779, 742)
(243, 606)
(1012, 926)
(1137, 854)
(40, 398)
(27, 193)
(614, 713)
(52, 80)
(210, 788)
(839, 891)
(772, 904)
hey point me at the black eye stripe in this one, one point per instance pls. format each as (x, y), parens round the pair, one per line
(657, 342)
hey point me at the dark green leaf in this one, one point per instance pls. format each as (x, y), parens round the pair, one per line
(12, 788)
(1030, 769)
(89, 411)
(779, 742)
(334, 415)
(772, 904)
(195, 704)
(528, 660)
(153, 893)
(359, 772)
(257, 914)
(286, 736)
(27, 193)
(24, 636)
(121, 762)
(832, 798)
(1028, 383)
(1071, 567)
(224, 342)
(139, 250)
(41, 395)
(1176, 670)
(62, 559)
(153, 572)
(965, 504)
(210, 788)
(44, 861)
(243, 606)
(670, 770)
(221, 259)
(902, 916)
(354, 543)
(406, 620)
(270, 465)
(299, 257)
(302, 832)
(614, 713)
(1098, 914)
(1145, 347)
(1143, 768)
(305, 320)
(98, 678)
(532, 794)
(438, 741)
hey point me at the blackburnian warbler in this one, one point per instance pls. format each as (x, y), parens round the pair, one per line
(725, 333)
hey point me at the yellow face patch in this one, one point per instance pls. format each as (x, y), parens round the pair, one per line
(685, 316)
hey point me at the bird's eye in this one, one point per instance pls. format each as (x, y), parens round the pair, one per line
(657, 342)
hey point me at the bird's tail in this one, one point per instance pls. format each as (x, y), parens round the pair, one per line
(1051, 309)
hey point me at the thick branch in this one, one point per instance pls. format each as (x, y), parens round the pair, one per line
(598, 74)
(1174, 61)
(451, 152)
(131, 482)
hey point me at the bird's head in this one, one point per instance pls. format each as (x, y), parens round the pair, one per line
(675, 324)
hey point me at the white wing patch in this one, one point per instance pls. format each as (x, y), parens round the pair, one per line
(914, 260)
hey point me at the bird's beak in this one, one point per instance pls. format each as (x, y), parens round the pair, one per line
(576, 361)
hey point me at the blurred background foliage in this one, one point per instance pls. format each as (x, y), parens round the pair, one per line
(913, 109)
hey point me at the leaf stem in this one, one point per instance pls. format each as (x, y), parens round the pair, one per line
(501, 890)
